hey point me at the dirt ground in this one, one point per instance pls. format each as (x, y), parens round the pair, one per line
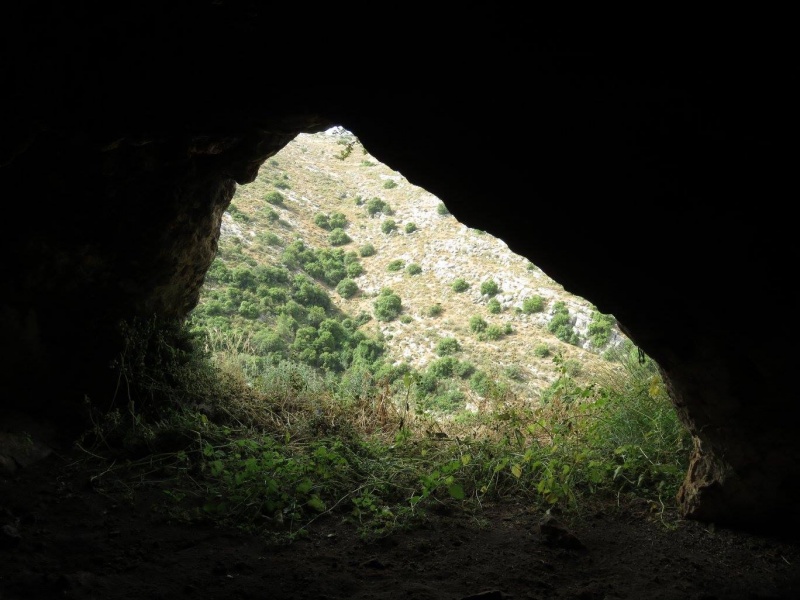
(62, 539)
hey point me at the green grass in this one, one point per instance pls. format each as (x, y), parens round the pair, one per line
(275, 449)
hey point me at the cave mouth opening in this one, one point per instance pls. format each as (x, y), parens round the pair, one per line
(402, 392)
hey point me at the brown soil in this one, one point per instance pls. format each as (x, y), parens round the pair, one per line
(61, 538)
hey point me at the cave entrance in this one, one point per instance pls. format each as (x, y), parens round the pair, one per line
(360, 309)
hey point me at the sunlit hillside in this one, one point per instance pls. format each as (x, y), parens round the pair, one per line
(420, 251)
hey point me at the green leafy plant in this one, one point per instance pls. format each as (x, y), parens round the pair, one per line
(387, 306)
(460, 285)
(477, 324)
(354, 269)
(600, 329)
(347, 288)
(447, 346)
(435, 310)
(490, 288)
(322, 220)
(388, 226)
(533, 304)
(338, 237)
(413, 269)
(275, 198)
(396, 265)
(376, 205)
(494, 306)
(410, 228)
(561, 325)
(541, 350)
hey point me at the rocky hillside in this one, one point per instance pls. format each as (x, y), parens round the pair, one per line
(332, 172)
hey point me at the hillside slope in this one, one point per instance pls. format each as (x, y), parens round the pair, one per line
(331, 172)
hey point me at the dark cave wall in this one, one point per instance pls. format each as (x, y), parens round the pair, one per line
(656, 189)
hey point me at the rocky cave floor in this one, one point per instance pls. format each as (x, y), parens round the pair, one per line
(61, 538)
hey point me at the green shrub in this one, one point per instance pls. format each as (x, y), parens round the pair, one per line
(413, 269)
(271, 215)
(388, 226)
(513, 372)
(447, 346)
(387, 306)
(406, 319)
(376, 205)
(477, 324)
(442, 209)
(534, 304)
(494, 306)
(493, 332)
(572, 367)
(410, 228)
(489, 288)
(480, 383)
(435, 310)
(338, 237)
(449, 401)
(322, 220)
(347, 288)
(600, 328)
(443, 367)
(270, 239)
(249, 310)
(266, 341)
(367, 250)
(389, 184)
(460, 285)
(354, 269)
(464, 369)
(541, 350)
(560, 324)
(275, 198)
(338, 219)
(315, 316)
(396, 265)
